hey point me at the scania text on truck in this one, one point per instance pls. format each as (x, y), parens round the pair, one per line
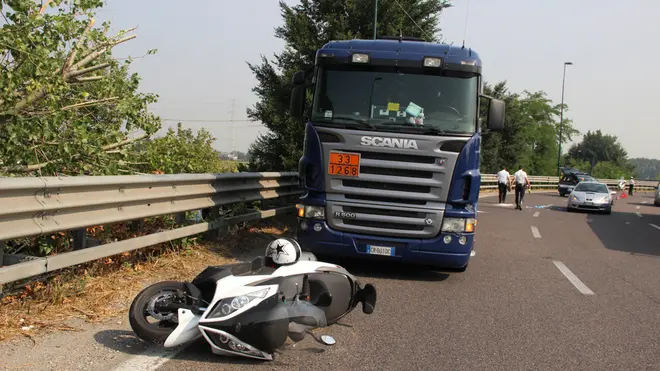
(390, 164)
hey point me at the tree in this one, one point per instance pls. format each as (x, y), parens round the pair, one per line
(306, 28)
(646, 168)
(597, 147)
(181, 151)
(66, 105)
(530, 133)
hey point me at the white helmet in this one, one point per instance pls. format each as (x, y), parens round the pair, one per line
(284, 251)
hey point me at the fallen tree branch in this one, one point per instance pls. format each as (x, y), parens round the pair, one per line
(89, 103)
(123, 142)
(86, 79)
(36, 167)
(73, 73)
(74, 51)
(97, 53)
(44, 6)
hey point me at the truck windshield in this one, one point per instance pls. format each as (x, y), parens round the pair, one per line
(396, 100)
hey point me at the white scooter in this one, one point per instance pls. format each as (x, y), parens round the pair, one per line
(249, 309)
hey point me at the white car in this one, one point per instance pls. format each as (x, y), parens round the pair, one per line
(657, 195)
(590, 196)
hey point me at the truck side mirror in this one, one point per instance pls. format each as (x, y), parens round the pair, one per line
(496, 111)
(296, 105)
(298, 78)
(297, 101)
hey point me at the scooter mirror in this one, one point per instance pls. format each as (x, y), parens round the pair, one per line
(328, 340)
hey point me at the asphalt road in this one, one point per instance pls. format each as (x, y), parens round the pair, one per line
(512, 309)
(546, 290)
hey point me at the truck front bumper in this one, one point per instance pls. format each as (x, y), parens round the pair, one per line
(450, 251)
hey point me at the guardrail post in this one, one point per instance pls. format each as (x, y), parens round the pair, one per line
(79, 239)
(136, 225)
(2, 262)
(180, 218)
(210, 215)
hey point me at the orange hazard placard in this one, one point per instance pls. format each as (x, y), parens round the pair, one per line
(344, 164)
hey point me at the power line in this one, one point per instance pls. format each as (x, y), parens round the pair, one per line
(413, 21)
(214, 121)
(233, 127)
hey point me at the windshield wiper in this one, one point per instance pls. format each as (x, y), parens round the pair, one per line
(362, 122)
(430, 129)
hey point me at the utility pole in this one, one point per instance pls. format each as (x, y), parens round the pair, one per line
(561, 117)
(375, 16)
(233, 127)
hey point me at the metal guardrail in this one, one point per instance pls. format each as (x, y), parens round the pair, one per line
(489, 181)
(38, 206)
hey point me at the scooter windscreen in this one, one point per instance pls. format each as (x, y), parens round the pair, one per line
(260, 330)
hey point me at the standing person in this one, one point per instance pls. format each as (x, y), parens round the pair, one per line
(503, 183)
(522, 181)
(632, 185)
(622, 187)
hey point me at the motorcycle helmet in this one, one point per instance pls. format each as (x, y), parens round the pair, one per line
(283, 251)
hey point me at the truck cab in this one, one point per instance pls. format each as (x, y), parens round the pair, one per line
(391, 156)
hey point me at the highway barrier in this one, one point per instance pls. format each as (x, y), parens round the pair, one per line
(37, 206)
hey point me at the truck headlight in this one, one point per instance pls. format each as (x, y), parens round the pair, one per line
(312, 212)
(459, 225)
(360, 58)
(432, 62)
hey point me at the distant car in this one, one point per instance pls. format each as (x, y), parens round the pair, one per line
(570, 178)
(590, 196)
(657, 195)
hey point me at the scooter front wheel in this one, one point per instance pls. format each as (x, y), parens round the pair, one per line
(144, 306)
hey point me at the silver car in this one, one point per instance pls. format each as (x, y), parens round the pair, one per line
(590, 196)
(657, 195)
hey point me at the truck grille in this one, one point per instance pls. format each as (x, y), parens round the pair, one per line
(398, 192)
(383, 220)
(386, 186)
(400, 179)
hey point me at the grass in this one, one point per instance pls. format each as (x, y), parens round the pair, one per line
(103, 289)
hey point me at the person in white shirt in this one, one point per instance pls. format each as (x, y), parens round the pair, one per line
(522, 181)
(622, 187)
(503, 184)
(631, 186)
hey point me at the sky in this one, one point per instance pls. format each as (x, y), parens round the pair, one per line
(200, 71)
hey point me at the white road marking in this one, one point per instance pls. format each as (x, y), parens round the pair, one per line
(639, 207)
(536, 214)
(644, 202)
(639, 214)
(573, 278)
(654, 226)
(627, 222)
(149, 360)
(535, 232)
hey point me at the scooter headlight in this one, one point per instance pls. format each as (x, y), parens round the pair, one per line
(230, 305)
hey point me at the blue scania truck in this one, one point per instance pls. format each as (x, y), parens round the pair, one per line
(390, 165)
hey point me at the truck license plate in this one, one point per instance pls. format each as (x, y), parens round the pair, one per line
(380, 250)
(344, 164)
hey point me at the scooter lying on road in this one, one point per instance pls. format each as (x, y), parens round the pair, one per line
(249, 309)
